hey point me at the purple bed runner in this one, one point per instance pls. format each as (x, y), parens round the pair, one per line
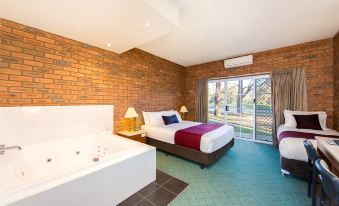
(304, 135)
(191, 137)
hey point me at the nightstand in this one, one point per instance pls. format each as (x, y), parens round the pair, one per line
(136, 135)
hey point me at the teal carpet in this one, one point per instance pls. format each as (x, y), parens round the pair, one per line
(248, 174)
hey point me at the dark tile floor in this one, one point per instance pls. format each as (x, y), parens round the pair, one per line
(160, 192)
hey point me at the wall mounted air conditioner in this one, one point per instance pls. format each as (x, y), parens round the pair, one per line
(238, 61)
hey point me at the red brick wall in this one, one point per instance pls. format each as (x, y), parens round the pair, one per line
(40, 68)
(316, 57)
(336, 84)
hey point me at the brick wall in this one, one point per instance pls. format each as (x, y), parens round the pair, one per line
(40, 68)
(316, 57)
(336, 84)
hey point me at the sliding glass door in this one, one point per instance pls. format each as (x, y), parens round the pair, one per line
(216, 102)
(245, 104)
(240, 106)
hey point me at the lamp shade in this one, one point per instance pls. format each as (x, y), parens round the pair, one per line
(131, 113)
(183, 109)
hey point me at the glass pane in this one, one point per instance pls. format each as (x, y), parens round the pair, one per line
(216, 102)
(247, 108)
(233, 114)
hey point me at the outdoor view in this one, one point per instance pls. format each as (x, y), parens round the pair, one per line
(243, 103)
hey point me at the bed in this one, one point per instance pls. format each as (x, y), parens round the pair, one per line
(213, 144)
(293, 155)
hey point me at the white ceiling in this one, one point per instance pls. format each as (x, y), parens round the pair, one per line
(120, 23)
(208, 29)
(217, 29)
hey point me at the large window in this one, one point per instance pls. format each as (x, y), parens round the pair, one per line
(245, 104)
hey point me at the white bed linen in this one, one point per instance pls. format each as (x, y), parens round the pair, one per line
(210, 141)
(293, 148)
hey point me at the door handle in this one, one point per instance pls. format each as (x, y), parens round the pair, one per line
(226, 108)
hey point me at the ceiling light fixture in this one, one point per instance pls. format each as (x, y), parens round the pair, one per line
(109, 45)
(147, 24)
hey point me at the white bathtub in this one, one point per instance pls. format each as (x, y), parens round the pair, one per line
(69, 157)
(66, 173)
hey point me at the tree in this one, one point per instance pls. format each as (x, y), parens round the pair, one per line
(217, 99)
(243, 92)
(240, 92)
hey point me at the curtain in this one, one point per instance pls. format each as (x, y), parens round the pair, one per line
(201, 101)
(289, 91)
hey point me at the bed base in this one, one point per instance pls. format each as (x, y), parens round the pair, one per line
(294, 167)
(204, 159)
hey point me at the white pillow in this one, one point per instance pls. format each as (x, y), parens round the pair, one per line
(155, 118)
(170, 113)
(178, 116)
(291, 122)
(289, 119)
(146, 119)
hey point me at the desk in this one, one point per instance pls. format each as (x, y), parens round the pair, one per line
(330, 153)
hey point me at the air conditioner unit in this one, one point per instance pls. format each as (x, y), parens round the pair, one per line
(238, 61)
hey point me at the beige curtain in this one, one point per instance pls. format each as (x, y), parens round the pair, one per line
(289, 91)
(201, 101)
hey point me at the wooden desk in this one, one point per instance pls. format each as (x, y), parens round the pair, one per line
(330, 153)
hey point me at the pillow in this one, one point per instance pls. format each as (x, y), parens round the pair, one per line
(155, 118)
(172, 112)
(310, 121)
(178, 116)
(146, 119)
(291, 122)
(170, 119)
(289, 119)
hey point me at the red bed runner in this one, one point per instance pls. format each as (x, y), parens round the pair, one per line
(191, 137)
(304, 135)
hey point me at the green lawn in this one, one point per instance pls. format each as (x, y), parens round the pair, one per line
(244, 123)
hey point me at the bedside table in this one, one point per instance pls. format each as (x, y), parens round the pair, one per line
(136, 135)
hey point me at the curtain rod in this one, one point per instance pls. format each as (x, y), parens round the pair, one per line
(239, 76)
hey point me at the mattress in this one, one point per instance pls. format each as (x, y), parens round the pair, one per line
(210, 141)
(293, 148)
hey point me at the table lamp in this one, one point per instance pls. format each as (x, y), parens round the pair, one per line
(183, 110)
(131, 114)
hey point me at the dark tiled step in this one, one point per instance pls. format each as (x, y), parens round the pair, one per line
(160, 192)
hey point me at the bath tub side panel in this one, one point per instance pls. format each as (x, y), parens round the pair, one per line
(106, 187)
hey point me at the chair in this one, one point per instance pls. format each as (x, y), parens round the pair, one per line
(312, 173)
(329, 183)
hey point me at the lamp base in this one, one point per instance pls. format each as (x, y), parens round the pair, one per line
(134, 125)
(183, 115)
(132, 130)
